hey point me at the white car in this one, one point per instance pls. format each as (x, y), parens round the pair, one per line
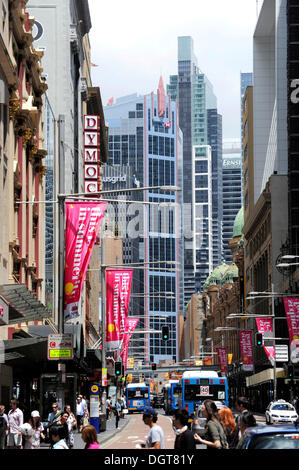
(280, 412)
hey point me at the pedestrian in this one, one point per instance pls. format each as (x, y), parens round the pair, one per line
(108, 408)
(3, 427)
(37, 431)
(53, 416)
(117, 412)
(72, 423)
(58, 436)
(214, 435)
(241, 405)
(89, 436)
(155, 437)
(230, 426)
(63, 421)
(80, 411)
(15, 420)
(184, 437)
(247, 420)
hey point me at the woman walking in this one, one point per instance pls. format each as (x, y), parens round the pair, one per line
(230, 427)
(214, 435)
(63, 420)
(89, 436)
(72, 423)
(37, 432)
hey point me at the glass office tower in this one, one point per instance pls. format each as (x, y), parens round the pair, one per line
(201, 126)
(144, 134)
(232, 191)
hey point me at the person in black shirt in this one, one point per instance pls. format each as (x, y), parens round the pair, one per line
(184, 437)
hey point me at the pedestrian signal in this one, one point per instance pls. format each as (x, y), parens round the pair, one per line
(165, 333)
(259, 339)
(154, 366)
(117, 368)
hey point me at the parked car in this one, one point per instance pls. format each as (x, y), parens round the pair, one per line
(279, 436)
(281, 412)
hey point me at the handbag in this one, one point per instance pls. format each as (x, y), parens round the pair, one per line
(125, 411)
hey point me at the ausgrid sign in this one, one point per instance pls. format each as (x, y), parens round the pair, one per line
(114, 179)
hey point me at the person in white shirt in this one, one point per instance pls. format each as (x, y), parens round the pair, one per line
(155, 438)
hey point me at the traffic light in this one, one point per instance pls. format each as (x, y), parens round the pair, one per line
(154, 366)
(259, 339)
(165, 333)
(290, 371)
(117, 368)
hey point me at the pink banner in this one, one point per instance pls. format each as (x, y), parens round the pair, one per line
(222, 357)
(118, 288)
(291, 306)
(246, 349)
(83, 220)
(131, 324)
(263, 325)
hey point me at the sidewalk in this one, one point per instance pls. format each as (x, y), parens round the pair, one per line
(104, 435)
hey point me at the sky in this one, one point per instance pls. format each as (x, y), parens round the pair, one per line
(133, 42)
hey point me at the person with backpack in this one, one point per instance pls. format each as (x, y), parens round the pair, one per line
(184, 437)
(230, 427)
(214, 435)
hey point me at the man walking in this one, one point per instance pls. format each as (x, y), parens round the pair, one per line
(80, 411)
(15, 420)
(155, 438)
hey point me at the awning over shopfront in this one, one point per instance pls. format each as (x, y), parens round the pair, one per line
(25, 351)
(23, 305)
(264, 376)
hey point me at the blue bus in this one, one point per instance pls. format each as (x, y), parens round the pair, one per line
(198, 386)
(137, 396)
(171, 396)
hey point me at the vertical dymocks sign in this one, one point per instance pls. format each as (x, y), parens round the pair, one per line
(83, 220)
(118, 288)
(91, 154)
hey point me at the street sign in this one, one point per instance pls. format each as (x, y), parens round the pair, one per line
(60, 347)
(281, 352)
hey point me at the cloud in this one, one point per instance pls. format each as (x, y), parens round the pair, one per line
(134, 42)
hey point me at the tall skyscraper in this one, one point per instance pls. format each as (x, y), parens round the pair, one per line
(246, 80)
(144, 134)
(232, 191)
(202, 129)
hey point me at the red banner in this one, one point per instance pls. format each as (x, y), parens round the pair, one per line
(246, 349)
(83, 220)
(263, 325)
(118, 288)
(131, 324)
(222, 358)
(291, 306)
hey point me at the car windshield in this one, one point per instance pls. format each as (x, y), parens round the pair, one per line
(283, 407)
(275, 441)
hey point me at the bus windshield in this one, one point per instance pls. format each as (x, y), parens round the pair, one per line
(140, 393)
(195, 392)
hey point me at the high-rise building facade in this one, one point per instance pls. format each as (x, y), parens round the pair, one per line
(232, 191)
(201, 126)
(144, 134)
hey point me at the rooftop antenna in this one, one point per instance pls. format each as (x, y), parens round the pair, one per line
(257, 8)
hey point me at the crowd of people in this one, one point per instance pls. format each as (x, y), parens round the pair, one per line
(223, 430)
